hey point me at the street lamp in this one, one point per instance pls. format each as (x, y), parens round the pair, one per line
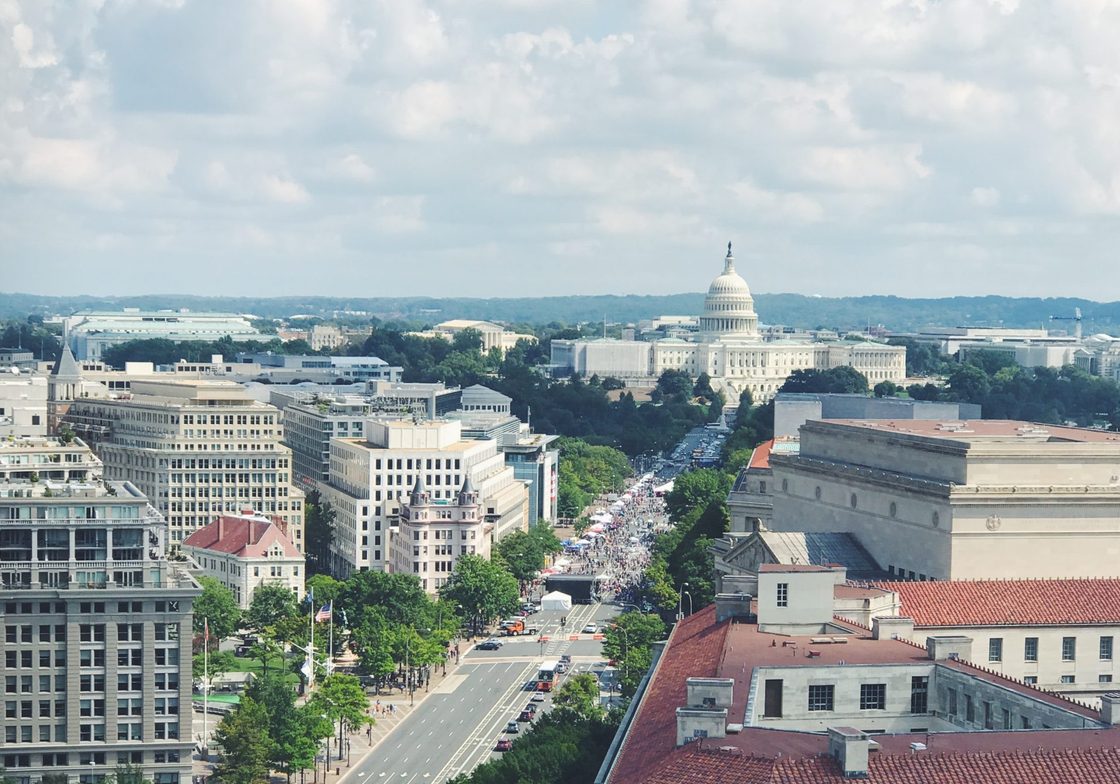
(680, 600)
(625, 650)
(686, 593)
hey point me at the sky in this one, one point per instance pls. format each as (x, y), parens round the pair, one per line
(492, 148)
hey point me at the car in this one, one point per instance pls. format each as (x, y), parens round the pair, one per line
(512, 727)
(590, 628)
(538, 697)
(488, 645)
(566, 658)
(531, 708)
(561, 668)
(525, 715)
(505, 744)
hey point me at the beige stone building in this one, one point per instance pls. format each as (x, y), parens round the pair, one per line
(432, 535)
(371, 477)
(729, 348)
(197, 448)
(494, 336)
(958, 500)
(244, 552)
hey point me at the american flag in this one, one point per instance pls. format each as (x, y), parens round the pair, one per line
(324, 613)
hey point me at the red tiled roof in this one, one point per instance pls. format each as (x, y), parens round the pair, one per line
(760, 457)
(694, 650)
(706, 763)
(1009, 602)
(246, 537)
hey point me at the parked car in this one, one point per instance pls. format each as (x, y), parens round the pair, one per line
(512, 727)
(590, 629)
(505, 744)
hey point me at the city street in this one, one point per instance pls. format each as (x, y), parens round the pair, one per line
(456, 726)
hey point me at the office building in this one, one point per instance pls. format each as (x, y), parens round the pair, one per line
(21, 359)
(729, 348)
(198, 449)
(244, 552)
(312, 417)
(432, 535)
(967, 499)
(97, 623)
(90, 333)
(23, 405)
(793, 409)
(371, 477)
(775, 688)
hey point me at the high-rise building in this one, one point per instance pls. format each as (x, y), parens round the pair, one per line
(371, 477)
(97, 623)
(198, 449)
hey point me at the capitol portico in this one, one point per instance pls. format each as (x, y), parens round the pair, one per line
(728, 348)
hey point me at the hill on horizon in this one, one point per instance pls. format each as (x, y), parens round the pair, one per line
(796, 310)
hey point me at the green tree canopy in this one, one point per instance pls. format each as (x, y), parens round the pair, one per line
(216, 605)
(579, 693)
(271, 604)
(246, 747)
(484, 589)
(842, 379)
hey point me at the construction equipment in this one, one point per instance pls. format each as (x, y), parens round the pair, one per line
(1076, 318)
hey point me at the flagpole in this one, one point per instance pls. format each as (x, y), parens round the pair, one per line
(206, 690)
(311, 647)
(330, 643)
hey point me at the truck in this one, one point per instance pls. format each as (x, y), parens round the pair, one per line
(516, 626)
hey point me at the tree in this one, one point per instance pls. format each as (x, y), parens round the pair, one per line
(970, 384)
(319, 520)
(341, 698)
(674, 385)
(216, 605)
(886, 389)
(399, 596)
(467, 341)
(843, 380)
(703, 387)
(520, 554)
(295, 732)
(271, 604)
(484, 589)
(219, 662)
(245, 743)
(579, 693)
(326, 588)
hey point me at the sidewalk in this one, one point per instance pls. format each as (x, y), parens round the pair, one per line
(360, 743)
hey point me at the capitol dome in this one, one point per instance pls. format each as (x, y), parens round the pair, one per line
(729, 307)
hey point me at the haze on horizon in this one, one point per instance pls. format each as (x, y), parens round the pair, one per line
(550, 147)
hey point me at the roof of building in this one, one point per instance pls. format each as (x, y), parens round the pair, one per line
(701, 647)
(826, 547)
(984, 430)
(1009, 602)
(708, 763)
(66, 367)
(242, 535)
(760, 457)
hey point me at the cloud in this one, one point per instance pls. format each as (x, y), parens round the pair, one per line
(543, 147)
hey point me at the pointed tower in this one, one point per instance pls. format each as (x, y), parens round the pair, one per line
(419, 495)
(64, 386)
(468, 496)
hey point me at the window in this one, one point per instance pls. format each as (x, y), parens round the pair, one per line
(772, 708)
(952, 702)
(872, 696)
(919, 695)
(1106, 648)
(969, 709)
(1030, 649)
(1104, 679)
(783, 594)
(820, 697)
(995, 649)
(1069, 648)
(1067, 679)
(988, 723)
(1030, 680)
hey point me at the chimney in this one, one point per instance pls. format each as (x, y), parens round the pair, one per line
(253, 532)
(949, 646)
(221, 527)
(1110, 709)
(705, 716)
(850, 747)
(892, 627)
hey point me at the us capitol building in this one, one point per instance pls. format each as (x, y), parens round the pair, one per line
(728, 347)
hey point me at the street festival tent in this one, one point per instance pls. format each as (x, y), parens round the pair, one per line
(556, 601)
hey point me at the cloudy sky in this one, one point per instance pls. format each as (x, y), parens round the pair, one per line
(533, 147)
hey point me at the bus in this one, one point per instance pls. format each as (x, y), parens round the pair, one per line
(547, 676)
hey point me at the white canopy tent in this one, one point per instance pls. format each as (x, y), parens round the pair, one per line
(556, 601)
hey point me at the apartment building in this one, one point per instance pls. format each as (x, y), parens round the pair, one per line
(244, 552)
(96, 621)
(23, 405)
(371, 477)
(197, 448)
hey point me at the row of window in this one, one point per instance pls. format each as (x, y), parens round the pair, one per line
(872, 696)
(1069, 649)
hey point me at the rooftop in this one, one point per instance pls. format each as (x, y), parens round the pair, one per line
(950, 603)
(699, 647)
(985, 430)
(246, 536)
